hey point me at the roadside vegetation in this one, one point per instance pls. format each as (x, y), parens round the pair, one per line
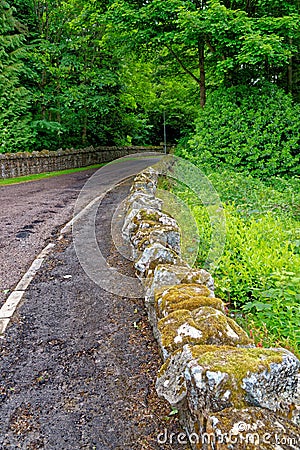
(258, 275)
(40, 176)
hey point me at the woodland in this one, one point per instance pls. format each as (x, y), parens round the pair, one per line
(90, 72)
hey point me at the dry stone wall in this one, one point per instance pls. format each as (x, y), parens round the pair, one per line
(21, 164)
(229, 393)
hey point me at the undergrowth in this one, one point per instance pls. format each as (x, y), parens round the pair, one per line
(258, 273)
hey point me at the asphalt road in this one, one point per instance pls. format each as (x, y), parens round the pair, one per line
(78, 364)
(30, 215)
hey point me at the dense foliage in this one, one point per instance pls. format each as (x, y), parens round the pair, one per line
(15, 115)
(258, 273)
(255, 130)
(82, 72)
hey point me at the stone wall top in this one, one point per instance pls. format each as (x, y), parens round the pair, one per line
(25, 163)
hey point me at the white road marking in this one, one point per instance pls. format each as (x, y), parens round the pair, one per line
(8, 308)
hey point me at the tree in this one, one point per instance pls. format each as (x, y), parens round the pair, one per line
(75, 81)
(15, 132)
(255, 130)
(203, 36)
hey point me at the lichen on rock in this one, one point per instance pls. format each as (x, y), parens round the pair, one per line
(129, 225)
(213, 375)
(147, 174)
(202, 326)
(154, 218)
(152, 256)
(215, 378)
(170, 275)
(163, 234)
(249, 429)
(144, 182)
(143, 219)
(138, 201)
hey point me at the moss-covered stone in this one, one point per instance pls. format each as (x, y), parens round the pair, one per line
(184, 296)
(202, 326)
(144, 183)
(163, 234)
(153, 217)
(249, 429)
(171, 275)
(232, 377)
(131, 225)
(146, 219)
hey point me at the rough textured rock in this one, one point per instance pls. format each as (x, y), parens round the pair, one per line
(166, 276)
(202, 326)
(129, 227)
(138, 201)
(250, 429)
(149, 173)
(144, 183)
(243, 429)
(146, 219)
(170, 275)
(214, 376)
(149, 218)
(152, 256)
(184, 296)
(211, 379)
(165, 235)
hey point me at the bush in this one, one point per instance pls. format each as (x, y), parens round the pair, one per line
(253, 130)
(258, 273)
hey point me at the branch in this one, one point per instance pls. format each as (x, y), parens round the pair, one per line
(210, 46)
(213, 49)
(182, 65)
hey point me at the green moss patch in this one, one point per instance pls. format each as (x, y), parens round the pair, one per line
(202, 326)
(185, 296)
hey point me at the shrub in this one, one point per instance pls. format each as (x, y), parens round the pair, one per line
(258, 273)
(253, 130)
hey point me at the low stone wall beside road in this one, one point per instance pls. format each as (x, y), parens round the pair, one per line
(229, 393)
(21, 164)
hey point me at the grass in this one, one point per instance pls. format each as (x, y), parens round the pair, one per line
(39, 176)
(258, 274)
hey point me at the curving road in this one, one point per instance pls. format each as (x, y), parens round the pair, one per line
(77, 363)
(30, 215)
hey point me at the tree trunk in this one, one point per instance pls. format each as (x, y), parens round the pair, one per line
(290, 72)
(202, 74)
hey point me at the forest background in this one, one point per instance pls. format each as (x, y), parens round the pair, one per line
(81, 72)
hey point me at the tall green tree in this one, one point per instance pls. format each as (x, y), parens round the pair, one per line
(75, 83)
(15, 131)
(210, 36)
